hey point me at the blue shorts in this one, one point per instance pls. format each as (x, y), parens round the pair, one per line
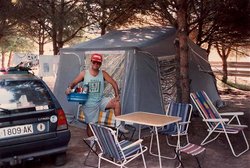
(91, 113)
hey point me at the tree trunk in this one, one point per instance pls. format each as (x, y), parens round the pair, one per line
(224, 69)
(54, 39)
(209, 47)
(10, 58)
(103, 30)
(60, 45)
(55, 48)
(41, 48)
(177, 60)
(183, 47)
(60, 27)
(223, 52)
(54, 28)
(3, 59)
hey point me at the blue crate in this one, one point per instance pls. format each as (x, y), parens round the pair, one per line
(77, 97)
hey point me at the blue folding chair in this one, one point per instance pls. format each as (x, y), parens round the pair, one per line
(113, 151)
(182, 110)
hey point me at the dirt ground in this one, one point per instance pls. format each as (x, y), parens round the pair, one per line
(218, 153)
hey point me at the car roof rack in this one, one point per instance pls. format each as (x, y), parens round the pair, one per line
(19, 69)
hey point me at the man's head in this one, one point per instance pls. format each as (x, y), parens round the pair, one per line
(96, 60)
(96, 57)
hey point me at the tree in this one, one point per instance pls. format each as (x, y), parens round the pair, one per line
(8, 24)
(208, 22)
(183, 50)
(223, 51)
(211, 21)
(7, 18)
(109, 14)
(175, 13)
(234, 29)
(35, 31)
(202, 21)
(11, 44)
(63, 20)
(234, 22)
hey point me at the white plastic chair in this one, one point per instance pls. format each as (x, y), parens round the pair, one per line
(217, 124)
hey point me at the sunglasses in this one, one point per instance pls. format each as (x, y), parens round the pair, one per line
(95, 62)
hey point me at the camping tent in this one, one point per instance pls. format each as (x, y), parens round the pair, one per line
(133, 57)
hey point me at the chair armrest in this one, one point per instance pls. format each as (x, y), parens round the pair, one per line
(231, 113)
(91, 138)
(237, 125)
(217, 120)
(139, 141)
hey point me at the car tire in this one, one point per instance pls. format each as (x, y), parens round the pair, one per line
(60, 159)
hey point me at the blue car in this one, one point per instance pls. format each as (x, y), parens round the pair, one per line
(32, 122)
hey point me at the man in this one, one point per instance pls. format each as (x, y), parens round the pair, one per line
(96, 102)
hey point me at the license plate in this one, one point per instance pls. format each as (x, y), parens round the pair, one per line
(16, 131)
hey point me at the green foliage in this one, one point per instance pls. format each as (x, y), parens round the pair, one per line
(16, 44)
(238, 86)
(111, 14)
(233, 21)
(8, 20)
(209, 21)
(58, 20)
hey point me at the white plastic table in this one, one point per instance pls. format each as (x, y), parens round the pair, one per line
(150, 119)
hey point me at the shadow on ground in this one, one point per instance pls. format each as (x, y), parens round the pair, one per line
(218, 153)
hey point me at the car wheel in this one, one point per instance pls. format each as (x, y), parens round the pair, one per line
(60, 159)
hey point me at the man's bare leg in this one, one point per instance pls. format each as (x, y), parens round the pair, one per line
(114, 104)
(89, 132)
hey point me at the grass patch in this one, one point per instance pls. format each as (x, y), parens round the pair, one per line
(239, 86)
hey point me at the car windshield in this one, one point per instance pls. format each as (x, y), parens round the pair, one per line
(23, 94)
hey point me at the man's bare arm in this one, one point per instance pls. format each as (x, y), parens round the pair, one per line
(77, 79)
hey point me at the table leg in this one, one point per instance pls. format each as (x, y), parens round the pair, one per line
(158, 145)
(139, 131)
(178, 136)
